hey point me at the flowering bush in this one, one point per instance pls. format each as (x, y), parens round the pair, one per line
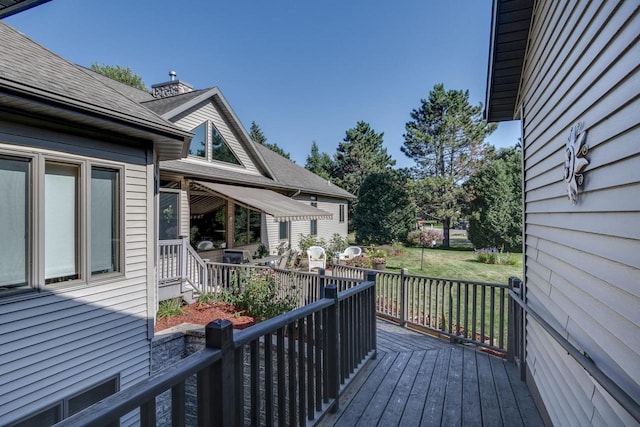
(424, 237)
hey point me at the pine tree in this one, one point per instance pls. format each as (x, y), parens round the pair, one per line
(319, 163)
(446, 141)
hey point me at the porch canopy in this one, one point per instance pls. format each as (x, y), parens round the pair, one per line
(281, 207)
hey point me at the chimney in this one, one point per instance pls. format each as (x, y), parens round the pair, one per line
(170, 88)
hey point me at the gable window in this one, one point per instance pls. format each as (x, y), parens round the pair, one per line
(60, 221)
(284, 230)
(341, 213)
(220, 150)
(198, 146)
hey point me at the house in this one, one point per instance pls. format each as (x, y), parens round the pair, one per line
(230, 192)
(569, 72)
(78, 166)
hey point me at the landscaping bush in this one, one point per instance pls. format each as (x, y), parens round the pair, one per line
(419, 238)
(308, 240)
(259, 297)
(494, 256)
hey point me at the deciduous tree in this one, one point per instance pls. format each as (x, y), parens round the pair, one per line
(121, 74)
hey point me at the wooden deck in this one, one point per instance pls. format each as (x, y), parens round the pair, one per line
(421, 380)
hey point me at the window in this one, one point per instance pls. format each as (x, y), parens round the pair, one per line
(314, 222)
(105, 217)
(220, 150)
(71, 405)
(168, 221)
(246, 226)
(61, 223)
(14, 223)
(198, 146)
(74, 231)
(341, 213)
(284, 230)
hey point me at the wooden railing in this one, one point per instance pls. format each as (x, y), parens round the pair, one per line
(465, 311)
(287, 370)
(305, 286)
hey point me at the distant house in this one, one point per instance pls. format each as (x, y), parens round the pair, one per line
(78, 161)
(569, 72)
(230, 192)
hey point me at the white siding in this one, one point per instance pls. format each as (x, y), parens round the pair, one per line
(199, 114)
(583, 262)
(55, 344)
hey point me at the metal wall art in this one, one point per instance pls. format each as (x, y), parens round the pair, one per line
(574, 160)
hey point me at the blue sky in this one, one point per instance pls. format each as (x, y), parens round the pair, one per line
(304, 71)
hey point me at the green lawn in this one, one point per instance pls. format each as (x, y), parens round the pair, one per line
(456, 263)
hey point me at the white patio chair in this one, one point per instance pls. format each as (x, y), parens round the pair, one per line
(317, 257)
(351, 252)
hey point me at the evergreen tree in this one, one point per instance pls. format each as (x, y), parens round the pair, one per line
(384, 212)
(495, 207)
(446, 141)
(258, 137)
(120, 74)
(360, 154)
(319, 163)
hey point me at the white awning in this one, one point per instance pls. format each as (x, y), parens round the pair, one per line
(281, 207)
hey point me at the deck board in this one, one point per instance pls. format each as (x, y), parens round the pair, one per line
(418, 379)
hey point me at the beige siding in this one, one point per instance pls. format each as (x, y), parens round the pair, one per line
(208, 111)
(185, 211)
(583, 261)
(55, 344)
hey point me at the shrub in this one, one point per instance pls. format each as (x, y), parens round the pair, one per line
(337, 244)
(360, 261)
(308, 240)
(260, 296)
(170, 308)
(424, 237)
(494, 256)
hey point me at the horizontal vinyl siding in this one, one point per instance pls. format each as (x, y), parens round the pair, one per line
(583, 261)
(208, 111)
(55, 344)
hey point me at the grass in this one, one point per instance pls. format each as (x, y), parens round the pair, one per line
(458, 262)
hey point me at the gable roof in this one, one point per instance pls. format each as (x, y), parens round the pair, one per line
(172, 106)
(39, 82)
(510, 24)
(130, 92)
(290, 174)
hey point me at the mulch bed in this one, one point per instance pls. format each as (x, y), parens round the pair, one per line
(202, 314)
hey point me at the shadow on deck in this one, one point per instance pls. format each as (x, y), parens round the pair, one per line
(421, 380)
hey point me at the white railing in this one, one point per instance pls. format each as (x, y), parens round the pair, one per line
(178, 262)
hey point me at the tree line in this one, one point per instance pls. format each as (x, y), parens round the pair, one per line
(455, 175)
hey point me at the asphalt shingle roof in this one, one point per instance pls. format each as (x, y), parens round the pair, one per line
(30, 68)
(163, 105)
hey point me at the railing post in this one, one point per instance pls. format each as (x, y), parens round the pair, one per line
(321, 281)
(219, 335)
(183, 259)
(370, 276)
(523, 334)
(333, 346)
(404, 297)
(511, 322)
